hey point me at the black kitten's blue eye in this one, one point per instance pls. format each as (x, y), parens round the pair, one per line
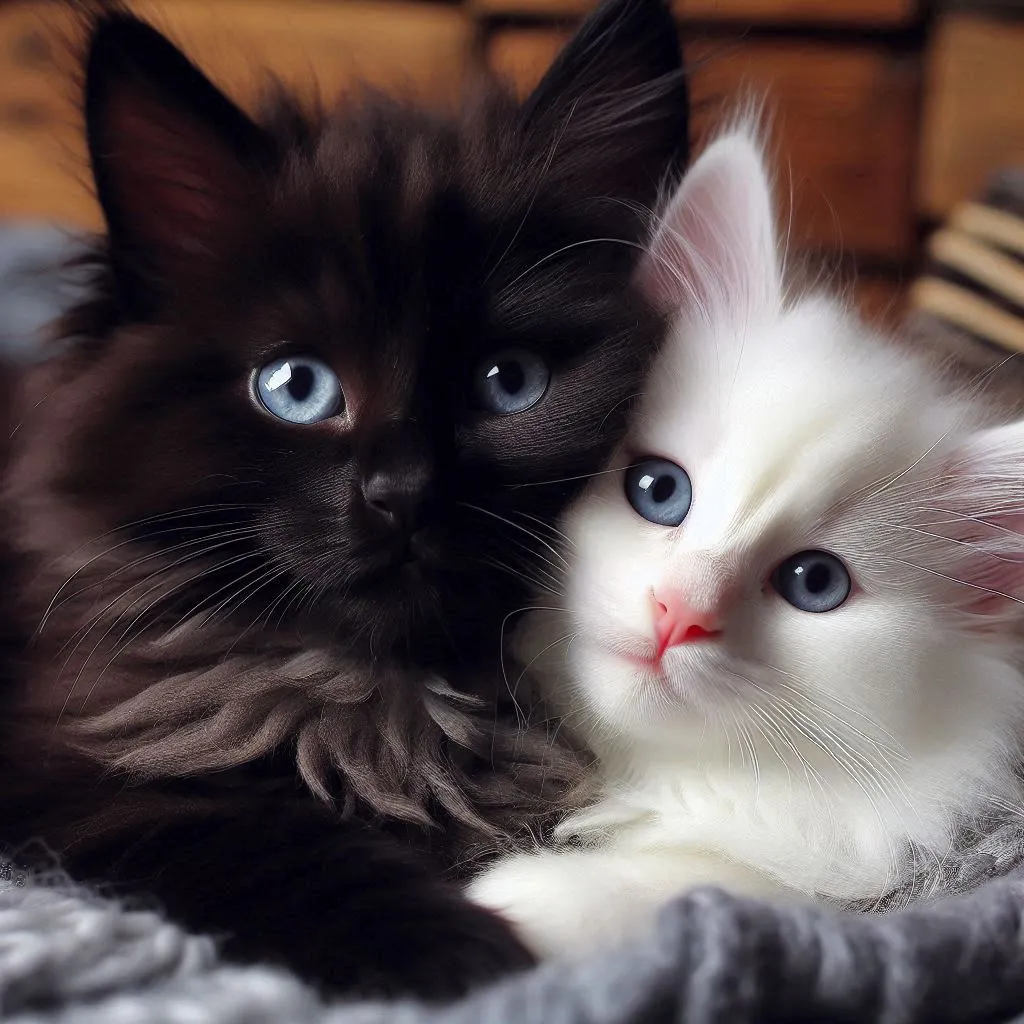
(299, 389)
(659, 490)
(512, 381)
(813, 581)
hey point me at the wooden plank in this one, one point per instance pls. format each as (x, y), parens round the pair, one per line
(412, 48)
(854, 13)
(968, 311)
(973, 123)
(843, 116)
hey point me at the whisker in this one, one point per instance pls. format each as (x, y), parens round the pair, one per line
(517, 526)
(559, 535)
(521, 718)
(54, 601)
(568, 479)
(962, 583)
(542, 177)
(95, 621)
(204, 549)
(565, 248)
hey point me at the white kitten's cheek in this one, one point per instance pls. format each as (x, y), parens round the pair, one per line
(610, 588)
(599, 681)
(611, 691)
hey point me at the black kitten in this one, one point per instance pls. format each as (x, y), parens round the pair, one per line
(338, 375)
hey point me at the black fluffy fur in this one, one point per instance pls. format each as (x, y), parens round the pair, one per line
(266, 683)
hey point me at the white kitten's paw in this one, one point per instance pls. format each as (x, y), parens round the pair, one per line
(550, 902)
(569, 902)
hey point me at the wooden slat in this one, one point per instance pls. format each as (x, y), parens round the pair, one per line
(974, 108)
(855, 13)
(843, 116)
(970, 312)
(416, 48)
(1000, 227)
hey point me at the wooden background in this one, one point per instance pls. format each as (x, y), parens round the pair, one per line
(884, 113)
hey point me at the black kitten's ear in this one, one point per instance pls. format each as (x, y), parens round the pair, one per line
(614, 107)
(174, 160)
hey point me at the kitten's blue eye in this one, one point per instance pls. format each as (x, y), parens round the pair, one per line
(813, 581)
(299, 389)
(659, 490)
(512, 381)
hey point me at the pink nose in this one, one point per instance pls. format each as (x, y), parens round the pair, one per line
(675, 622)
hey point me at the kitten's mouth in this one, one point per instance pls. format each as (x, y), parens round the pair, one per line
(644, 656)
(649, 662)
(638, 653)
(401, 574)
(406, 568)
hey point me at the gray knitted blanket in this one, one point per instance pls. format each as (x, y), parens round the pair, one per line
(69, 956)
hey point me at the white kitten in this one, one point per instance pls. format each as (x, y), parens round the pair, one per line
(790, 629)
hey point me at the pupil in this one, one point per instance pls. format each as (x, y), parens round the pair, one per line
(511, 377)
(663, 489)
(818, 578)
(300, 385)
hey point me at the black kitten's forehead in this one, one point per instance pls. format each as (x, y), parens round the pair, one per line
(414, 241)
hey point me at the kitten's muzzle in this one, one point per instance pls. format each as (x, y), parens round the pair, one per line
(394, 504)
(397, 481)
(676, 622)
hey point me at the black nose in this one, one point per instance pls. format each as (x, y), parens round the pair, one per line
(397, 499)
(397, 478)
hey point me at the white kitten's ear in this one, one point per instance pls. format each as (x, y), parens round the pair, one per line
(714, 251)
(984, 485)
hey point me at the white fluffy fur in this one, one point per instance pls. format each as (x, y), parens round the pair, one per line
(803, 756)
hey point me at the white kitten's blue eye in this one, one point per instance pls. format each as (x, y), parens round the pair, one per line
(659, 490)
(813, 581)
(511, 381)
(299, 389)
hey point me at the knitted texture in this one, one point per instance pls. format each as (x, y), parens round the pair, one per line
(71, 957)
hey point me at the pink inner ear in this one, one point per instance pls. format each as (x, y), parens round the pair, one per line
(685, 256)
(1003, 583)
(981, 494)
(999, 574)
(714, 250)
(992, 562)
(177, 186)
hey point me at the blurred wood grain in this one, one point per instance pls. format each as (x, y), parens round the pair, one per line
(874, 13)
(882, 300)
(416, 48)
(973, 121)
(843, 118)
